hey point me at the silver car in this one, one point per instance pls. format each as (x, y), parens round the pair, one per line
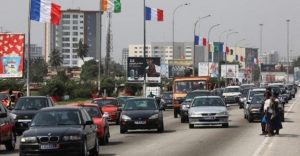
(208, 110)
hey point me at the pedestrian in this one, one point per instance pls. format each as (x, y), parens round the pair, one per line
(263, 118)
(268, 113)
(275, 118)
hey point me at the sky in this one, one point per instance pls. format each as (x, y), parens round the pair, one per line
(243, 16)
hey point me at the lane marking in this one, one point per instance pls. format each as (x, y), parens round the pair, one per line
(267, 141)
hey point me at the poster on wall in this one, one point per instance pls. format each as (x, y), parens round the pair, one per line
(208, 69)
(12, 49)
(179, 67)
(229, 71)
(153, 70)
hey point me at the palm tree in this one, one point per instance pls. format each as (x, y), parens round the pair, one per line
(56, 59)
(82, 50)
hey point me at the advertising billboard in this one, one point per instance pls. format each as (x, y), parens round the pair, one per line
(229, 70)
(272, 68)
(296, 73)
(179, 67)
(136, 70)
(208, 69)
(250, 55)
(12, 49)
(203, 69)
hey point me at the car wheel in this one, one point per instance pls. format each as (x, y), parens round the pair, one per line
(123, 130)
(160, 128)
(11, 144)
(245, 116)
(226, 125)
(191, 126)
(95, 149)
(175, 113)
(84, 150)
(105, 138)
(250, 119)
(117, 122)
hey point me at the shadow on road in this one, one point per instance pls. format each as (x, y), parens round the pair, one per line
(288, 135)
(3, 151)
(215, 127)
(149, 132)
(113, 143)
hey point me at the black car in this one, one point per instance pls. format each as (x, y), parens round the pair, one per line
(26, 108)
(60, 130)
(7, 129)
(290, 88)
(141, 113)
(254, 108)
(166, 100)
(243, 98)
(188, 100)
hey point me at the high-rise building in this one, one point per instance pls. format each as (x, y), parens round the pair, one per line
(124, 57)
(76, 25)
(35, 51)
(137, 50)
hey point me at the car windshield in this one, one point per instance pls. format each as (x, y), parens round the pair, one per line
(231, 90)
(57, 117)
(104, 102)
(124, 99)
(186, 86)
(192, 95)
(258, 99)
(245, 92)
(93, 111)
(198, 102)
(290, 87)
(31, 104)
(252, 93)
(167, 96)
(140, 104)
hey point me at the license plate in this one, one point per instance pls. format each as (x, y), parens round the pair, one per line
(210, 118)
(49, 146)
(140, 122)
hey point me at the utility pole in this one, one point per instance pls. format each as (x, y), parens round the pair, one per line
(288, 49)
(109, 45)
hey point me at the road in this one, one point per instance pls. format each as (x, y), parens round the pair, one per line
(241, 138)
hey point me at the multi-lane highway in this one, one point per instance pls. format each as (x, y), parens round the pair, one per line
(241, 138)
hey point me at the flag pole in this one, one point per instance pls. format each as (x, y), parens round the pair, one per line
(100, 50)
(144, 22)
(28, 53)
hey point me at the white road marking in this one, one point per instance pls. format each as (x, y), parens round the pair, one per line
(267, 141)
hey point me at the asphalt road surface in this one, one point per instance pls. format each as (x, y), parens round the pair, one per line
(241, 138)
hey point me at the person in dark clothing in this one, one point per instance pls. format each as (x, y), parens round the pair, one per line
(275, 118)
(263, 117)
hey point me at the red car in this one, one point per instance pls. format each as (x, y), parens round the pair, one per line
(7, 129)
(99, 120)
(109, 105)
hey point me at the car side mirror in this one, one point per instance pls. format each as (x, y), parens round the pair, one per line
(3, 115)
(89, 122)
(105, 115)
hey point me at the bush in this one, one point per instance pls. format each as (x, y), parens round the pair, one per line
(53, 88)
(12, 84)
(81, 92)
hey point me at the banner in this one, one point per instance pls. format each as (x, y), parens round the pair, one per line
(12, 49)
(229, 71)
(272, 68)
(208, 69)
(250, 55)
(136, 70)
(180, 67)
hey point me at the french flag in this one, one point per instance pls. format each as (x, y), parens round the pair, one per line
(44, 11)
(152, 13)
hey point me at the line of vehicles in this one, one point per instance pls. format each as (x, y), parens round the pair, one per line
(45, 127)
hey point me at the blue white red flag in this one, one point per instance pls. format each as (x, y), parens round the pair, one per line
(44, 11)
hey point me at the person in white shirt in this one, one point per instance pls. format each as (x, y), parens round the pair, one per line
(268, 113)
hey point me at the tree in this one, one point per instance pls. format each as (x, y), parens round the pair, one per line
(89, 70)
(82, 50)
(38, 70)
(55, 59)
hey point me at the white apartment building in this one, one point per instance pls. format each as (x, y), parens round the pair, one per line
(137, 50)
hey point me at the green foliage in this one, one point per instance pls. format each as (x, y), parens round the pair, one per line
(81, 92)
(38, 70)
(82, 50)
(12, 84)
(89, 70)
(56, 59)
(54, 87)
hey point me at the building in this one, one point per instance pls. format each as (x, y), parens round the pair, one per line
(124, 57)
(137, 50)
(76, 25)
(35, 51)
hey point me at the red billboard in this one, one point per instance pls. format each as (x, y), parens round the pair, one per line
(12, 49)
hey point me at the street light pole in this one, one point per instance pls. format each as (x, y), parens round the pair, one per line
(261, 51)
(288, 49)
(208, 37)
(173, 26)
(195, 25)
(227, 37)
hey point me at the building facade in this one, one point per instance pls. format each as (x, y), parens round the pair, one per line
(124, 57)
(35, 51)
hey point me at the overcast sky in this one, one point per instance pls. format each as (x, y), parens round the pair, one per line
(243, 16)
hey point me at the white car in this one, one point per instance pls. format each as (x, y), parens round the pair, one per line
(208, 110)
(232, 94)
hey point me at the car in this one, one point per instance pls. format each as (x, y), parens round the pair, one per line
(243, 97)
(188, 100)
(246, 85)
(166, 100)
(99, 119)
(254, 108)
(232, 94)
(109, 105)
(7, 129)
(60, 130)
(5, 99)
(291, 89)
(254, 91)
(25, 109)
(122, 99)
(208, 110)
(218, 92)
(141, 113)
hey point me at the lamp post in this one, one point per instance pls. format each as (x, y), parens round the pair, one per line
(227, 37)
(199, 19)
(173, 25)
(260, 50)
(208, 37)
(288, 48)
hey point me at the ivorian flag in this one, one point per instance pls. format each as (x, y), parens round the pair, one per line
(196, 40)
(115, 5)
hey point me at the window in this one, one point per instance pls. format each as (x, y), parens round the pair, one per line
(75, 33)
(81, 16)
(66, 28)
(65, 22)
(81, 21)
(66, 16)
(74, 39)
(66, 33)
(81, 33)
(75, 50)
(75, 28)
(66, 56)
(75, 56)
(75, 44)
(66, 44)
(74, 62)
(65, 39)
(81, 27)
(75, 22)
(65, 50)
(66, 61)
(75, 16)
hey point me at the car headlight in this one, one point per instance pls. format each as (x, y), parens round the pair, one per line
(155, 116)
(28, 140)
(194, 114)
(72, 138)
(223, 113)
(185, 107)
(125, 117)
(254, 110)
